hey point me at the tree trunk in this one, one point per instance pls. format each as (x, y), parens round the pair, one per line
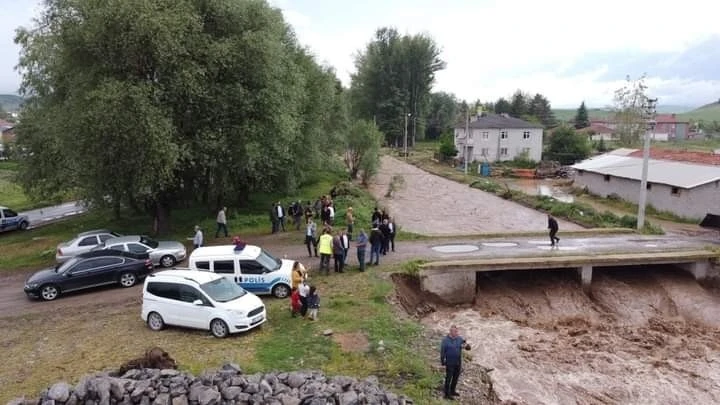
(162, 218)
(116, 208)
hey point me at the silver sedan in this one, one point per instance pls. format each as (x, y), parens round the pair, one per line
(162, 253)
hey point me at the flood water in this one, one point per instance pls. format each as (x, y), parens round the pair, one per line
(644, 336)
(539, 187)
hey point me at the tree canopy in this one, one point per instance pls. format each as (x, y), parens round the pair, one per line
(582, 120)
(629, 101)
(394, 76)
(150, 103)
(567, 146)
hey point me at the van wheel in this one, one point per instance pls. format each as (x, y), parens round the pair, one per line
(23, 225)
(155, 321)
(281, 291)
(219, 328)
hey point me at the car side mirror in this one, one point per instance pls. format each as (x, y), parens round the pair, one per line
(198, 303)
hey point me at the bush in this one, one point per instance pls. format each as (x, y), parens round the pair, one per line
(447, 148)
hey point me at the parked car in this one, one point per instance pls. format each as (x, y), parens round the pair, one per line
(11, 220)
(162, 253)
(83, 242)
(88, 270)
(253, 268)
(200, 300)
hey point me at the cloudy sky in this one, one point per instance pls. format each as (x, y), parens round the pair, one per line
(565, 49)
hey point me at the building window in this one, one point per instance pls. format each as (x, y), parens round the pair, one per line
(648, 186)
(503, 134)
(485, 135)
(526, 134)
(607, 177)
(484, 151)
(675, 191)
(503, 152)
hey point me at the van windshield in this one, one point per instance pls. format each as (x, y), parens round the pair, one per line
(268, 261)
(223, 290)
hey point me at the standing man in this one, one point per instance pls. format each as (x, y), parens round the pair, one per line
(198, 238)
(298, 214)
(325, 248)
(553, 227)
(280, 213)
(273, 218)
(451, 357)
(221, 222)
(376, 240)
(349, 221)
(338, 253)
(361, 245)
(345, 244)
(310, 240)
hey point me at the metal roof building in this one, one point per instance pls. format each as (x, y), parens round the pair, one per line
(672, 173)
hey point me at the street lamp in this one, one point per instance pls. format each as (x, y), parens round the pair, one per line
(648, 110)
(406, 134)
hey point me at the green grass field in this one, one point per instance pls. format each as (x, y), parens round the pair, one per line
(708, 113)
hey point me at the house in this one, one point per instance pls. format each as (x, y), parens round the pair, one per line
(669, 127)
(686, 189)
(597, 131)
(494, 137)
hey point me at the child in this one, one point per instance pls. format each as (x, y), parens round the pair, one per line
(313, 303)
(295, 304)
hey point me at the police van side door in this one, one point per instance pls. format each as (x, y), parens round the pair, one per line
(226, 268)
(253, 276)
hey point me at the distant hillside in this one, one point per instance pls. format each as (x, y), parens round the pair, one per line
(708, 112)
(568, 114)
(10, 102)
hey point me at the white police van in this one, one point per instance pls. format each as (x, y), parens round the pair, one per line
(253, 268)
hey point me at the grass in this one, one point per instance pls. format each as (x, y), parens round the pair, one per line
(706, 113)
(12, 194)
(627, 206)
(354, 303)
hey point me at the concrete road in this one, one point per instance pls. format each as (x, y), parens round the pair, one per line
(42, 216)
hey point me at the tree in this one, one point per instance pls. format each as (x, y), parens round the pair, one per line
(447, 149)
(628, 111)
(152, 104)
(502, 106)
(519, 103)
(394, 77)
(567, 146)
(581, 117)
(362, 148)
(540, 107)
(441, 116)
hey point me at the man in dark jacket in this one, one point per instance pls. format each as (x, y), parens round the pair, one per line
(385, 229)
(451, 357)
(553, 227)
(338, 253)
(376, 240)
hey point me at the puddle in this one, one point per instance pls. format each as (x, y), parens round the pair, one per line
(459, 248)
(650, 245)
(541, 188)
(539, 242)
(558, 247)
(499, 244)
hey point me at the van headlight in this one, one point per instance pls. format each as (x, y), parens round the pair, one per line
(241, 314)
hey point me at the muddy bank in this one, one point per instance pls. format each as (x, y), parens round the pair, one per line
(646, 336)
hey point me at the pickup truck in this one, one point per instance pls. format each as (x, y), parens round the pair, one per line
(11, 220)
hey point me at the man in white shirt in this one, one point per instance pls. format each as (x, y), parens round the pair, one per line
(331, 210)
(221, 222)
(303, 290)
(198, 238)
(280, 215)
(345, 241)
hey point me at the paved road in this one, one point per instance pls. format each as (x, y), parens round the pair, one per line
(43, 216)
(14, 303)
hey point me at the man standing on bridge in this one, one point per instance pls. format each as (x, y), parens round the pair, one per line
(553, 227)
(451, 357)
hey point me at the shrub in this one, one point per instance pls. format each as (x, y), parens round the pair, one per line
(447, 149)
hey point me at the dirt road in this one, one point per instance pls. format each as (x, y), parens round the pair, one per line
(431, 205)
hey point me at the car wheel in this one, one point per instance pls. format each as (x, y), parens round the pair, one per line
(281, 291)
(128, 279)
(155, 321)
(167, 261)
(23, 226)
(219, 328)
(49, 292)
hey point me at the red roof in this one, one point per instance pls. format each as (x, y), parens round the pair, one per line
(706, 158)
(667, 119)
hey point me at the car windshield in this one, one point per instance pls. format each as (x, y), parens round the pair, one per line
(61, 268)
(148, 242)
(268, 261)
(223, 290)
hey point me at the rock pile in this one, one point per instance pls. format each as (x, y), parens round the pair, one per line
(225, 386)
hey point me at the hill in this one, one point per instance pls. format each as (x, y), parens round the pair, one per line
(10, 102)
(568, 114)
(708, 112)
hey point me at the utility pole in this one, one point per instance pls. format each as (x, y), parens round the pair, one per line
(406, 134)
(467, 136)
(649, 115)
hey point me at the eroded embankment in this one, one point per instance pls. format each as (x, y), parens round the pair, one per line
(649, 336)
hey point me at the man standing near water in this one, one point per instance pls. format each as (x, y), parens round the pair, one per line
(451, 357)
(553, 227)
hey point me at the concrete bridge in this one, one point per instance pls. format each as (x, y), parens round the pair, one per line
(455, 281)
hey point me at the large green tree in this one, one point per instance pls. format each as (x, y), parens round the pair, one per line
(441, 115)
(151, 104)
(582, 120)
(567, 146)
(394, 76)
(540, 107)
(362, 149)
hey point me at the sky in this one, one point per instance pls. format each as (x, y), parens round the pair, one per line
(567, 50)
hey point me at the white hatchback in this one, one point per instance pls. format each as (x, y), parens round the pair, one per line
(200, 300)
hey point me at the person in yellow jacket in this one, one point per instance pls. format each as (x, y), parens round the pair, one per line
(326, 250)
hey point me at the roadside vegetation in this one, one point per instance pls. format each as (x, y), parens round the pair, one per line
(13, 196)
(369, 338)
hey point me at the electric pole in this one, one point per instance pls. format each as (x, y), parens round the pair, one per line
(467, 136)
(649, 115)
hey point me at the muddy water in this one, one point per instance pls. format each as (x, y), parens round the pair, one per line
(647, 336)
